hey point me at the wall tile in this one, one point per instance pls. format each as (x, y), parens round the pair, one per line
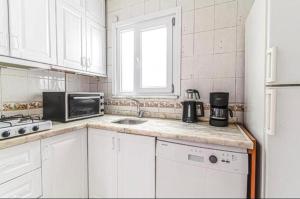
(187, 68)
(224, 65)
(204, 43)
(225, 85)
(204, 86)
(14, 88)
(240, 82)
(203, 66)
(244, 7)
(240, 64)
(187, 45)
(240, 38)
(204, 19)
(203, 3)
(225, 40)
(188, 20)
(186, 5)
(151, 6)
(165, 4)
(225, 15)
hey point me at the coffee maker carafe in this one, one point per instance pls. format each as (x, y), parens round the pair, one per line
(219, 109)
(192, 107)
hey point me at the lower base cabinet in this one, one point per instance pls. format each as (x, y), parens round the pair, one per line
(26, 186)
(121, 165)
(64, 165)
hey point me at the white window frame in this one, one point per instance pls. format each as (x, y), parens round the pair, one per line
(174, 58)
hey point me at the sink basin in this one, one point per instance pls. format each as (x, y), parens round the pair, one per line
(129, 121)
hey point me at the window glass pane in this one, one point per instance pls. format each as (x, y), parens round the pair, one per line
(127, 61)
(154, 58)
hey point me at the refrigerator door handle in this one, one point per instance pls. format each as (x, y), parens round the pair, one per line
(271, 65)
(270, 111)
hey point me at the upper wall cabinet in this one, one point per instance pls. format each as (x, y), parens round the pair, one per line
(71, 35)
(96, 45)
(95, 9)
(4, 43)
(81, 38)
(32, 30)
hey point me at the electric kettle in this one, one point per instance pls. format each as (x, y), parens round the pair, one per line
(192, 107)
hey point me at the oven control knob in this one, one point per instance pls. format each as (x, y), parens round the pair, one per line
(35, 128)
(5, 134)
(213, 159)
(22, 131)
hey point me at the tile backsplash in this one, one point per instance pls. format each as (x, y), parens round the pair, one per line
(213, 45)
(21, 90)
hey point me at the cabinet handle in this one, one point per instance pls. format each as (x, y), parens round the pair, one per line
(271, 65)
(113, 143)
(270, 111)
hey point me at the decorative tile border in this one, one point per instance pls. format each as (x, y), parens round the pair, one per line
(20, 106)
(163, 104)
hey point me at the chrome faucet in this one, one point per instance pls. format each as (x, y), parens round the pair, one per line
(140, 113)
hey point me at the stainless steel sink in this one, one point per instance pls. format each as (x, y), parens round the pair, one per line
(130, 121)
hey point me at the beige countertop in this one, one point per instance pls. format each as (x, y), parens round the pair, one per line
(231, 136)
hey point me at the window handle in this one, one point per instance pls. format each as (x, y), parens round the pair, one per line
(138, 60)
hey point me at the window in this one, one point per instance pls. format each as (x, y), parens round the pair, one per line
(147, 55)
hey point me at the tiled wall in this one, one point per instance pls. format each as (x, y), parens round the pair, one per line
(21, 90)
(212, 51)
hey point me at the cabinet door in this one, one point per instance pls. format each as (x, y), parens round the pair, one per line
(102, 164)
(96, 45)
(64, 165)
(136, 166)
(32, 30)
(26, 186)
(71, 41)
(95, 9)
(4, 48)
(18, 160)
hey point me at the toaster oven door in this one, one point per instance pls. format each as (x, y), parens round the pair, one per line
(83, 105)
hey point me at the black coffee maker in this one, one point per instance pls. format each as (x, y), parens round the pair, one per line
(219, 109)
(192, 107)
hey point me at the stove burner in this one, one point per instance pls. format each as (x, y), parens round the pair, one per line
(17, 125)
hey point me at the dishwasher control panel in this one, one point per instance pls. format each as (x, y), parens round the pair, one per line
(204, 157)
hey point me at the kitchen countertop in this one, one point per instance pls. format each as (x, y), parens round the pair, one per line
(231, 136)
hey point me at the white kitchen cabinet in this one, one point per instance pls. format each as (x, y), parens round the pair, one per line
(96, 45)
(95, 9)
(64, 165)
(71, 36)
(26, 186)
(102, 164)
(4, 43)
(33, 30)
(121, 165)
(136, 166)
(18, 160)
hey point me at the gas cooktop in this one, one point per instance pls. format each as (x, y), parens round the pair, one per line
(18, 125)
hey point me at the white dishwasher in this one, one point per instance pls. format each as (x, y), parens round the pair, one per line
(184, 171)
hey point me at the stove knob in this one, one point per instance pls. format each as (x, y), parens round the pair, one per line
(213, 159)
(22, 131)
(35, 128)
(5, 134)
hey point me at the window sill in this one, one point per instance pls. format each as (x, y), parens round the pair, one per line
(146, 97)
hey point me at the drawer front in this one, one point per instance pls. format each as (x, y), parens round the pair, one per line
(19, 160)
(26, 186)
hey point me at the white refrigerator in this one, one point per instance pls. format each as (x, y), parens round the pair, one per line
(272, 94)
